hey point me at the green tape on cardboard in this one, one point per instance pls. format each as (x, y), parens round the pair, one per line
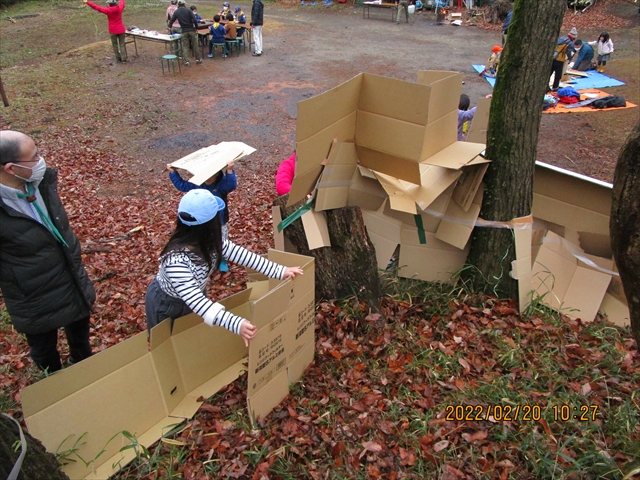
(422, 236)
(294, 216)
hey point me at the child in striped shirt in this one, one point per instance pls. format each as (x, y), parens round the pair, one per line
(193, 252)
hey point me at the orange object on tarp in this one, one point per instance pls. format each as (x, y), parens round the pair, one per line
(562, 108)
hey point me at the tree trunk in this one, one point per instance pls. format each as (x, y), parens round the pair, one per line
(512, 139)
(497, 11)
(37, 464)
(347, 268)
(625, 225)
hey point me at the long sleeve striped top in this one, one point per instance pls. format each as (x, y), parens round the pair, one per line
(184, 275)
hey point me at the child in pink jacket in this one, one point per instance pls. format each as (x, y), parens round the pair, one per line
(285, 174)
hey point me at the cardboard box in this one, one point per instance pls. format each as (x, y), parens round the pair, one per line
(479, 125)
(147, 390)
(396, 125)
(456, 226)
(566, 283)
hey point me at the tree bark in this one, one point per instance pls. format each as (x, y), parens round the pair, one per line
(625, 225)
(512, 139)
(347, 268)
(37, 464)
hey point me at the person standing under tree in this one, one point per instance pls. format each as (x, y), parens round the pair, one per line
(257, 13)
(113, 11)
(189, 27)
(44, 284)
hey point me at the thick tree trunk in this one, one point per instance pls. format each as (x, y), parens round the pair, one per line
(37, 464)
(512, 138)
(347, 268)
(625, 225)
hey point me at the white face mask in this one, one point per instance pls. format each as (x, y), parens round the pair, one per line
(37, 171)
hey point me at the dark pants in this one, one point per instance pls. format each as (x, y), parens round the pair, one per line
(119, 48)
(584, 65)
(159, 306)
(44, 346)
(556, 67)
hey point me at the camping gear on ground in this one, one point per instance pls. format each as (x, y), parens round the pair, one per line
(611, 101)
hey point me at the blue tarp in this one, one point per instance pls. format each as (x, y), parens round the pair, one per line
(594, 80)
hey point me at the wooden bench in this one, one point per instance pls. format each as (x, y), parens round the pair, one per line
(367, 6)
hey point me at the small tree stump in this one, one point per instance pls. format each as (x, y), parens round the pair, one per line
(37, 464)
(347, 268)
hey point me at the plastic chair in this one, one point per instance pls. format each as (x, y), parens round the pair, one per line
(221, 45)
(231, 43)
(171, 63)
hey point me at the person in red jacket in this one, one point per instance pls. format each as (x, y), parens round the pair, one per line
(113, 11)
(285, 174)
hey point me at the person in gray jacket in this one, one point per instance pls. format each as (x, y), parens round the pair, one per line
(43, 281)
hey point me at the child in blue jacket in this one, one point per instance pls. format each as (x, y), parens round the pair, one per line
(240, 18)
(221, 184)
(217, 35)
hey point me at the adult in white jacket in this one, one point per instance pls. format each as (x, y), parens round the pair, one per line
(605, 49)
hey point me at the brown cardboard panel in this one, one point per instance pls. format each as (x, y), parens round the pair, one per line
(616, 310)
(278, 237)
(439, 134)
(389, 164)
(50, 390)
(595, 244)
(435, 261)
(303, 185)
(300, 329)
(297, 366)
(317, 113)
(434, 181)
(570, 216)
(261, 403)
(312, 151)
(271, 306)
(446, 88)
(333, 188)
(98, 411)
(391, 136)
(468, 184)
(365, 192)
(433, 214)
(267, 354)
(315, 229)
(301, 284)
(218, 349)
(480, 123)
(457, 225)
(573, 189)
(398, 197)
(395, 99)
(456, 155)
(564, 284)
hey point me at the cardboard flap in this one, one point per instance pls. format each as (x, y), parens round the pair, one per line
(434, 181)
(398, 196)
(365, 192)
(480, 123)
(315, 229)
(395, 99)
(446, 88)
(272, 305)
(388, 164)
(456, 155)
(468, 184)
(457, 225)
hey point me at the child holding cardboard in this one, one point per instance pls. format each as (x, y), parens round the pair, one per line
(221, 185)
(193, 252)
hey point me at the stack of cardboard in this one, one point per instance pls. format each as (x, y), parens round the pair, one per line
(147, 390)
(390, 147)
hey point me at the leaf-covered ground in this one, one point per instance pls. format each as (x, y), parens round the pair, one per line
(376, 399)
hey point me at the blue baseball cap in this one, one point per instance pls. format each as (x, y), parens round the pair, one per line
(237, 9)
(199, 206)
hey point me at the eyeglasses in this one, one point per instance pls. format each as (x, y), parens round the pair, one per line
(36, 159)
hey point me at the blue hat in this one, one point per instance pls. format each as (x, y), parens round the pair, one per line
(199, 204)
(237, 9)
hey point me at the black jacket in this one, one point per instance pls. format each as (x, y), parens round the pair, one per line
(43, 282)
(257, 9)
(186, 19)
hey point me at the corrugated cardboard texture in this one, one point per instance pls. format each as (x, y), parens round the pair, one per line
(129, 388)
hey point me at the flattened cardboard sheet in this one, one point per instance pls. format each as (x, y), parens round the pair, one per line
(480, 123)
(457, 225)
(315, 229)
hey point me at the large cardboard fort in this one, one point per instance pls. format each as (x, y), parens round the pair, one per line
(390, 147)
(146, 388)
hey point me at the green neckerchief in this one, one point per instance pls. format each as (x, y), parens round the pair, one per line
(46, 221)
